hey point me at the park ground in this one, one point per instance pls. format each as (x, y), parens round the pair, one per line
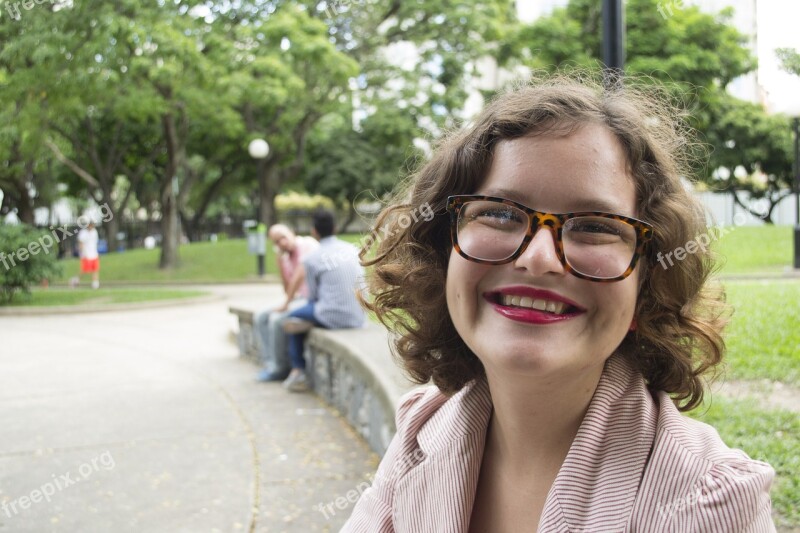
(147, 420)
(754, 405)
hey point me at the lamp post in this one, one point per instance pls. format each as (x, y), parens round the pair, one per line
(791, 108)
(796, 122)
(613, 42)
(259, 150)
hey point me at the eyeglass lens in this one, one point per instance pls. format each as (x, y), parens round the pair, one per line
(593, 246)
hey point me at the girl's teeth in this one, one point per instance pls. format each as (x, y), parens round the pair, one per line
(540, 305)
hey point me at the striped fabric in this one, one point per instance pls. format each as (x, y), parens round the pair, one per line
(636, 464)
(333, 275)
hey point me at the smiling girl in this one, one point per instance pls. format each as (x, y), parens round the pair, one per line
(560, 356)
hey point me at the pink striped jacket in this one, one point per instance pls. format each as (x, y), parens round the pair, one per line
(636, 464)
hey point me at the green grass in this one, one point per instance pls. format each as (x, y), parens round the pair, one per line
(742, 250)
(767, 435)
(763, 338)
(201, 262)
(226, 260)
(755, 249)
(84, 296)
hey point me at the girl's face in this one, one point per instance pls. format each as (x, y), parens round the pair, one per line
(583, 321)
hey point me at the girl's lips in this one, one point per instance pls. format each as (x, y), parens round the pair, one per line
(527, 314)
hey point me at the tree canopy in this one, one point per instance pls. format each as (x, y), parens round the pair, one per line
(696, 55)
(153, 105)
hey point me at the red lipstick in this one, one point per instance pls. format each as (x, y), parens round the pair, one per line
(528, 315)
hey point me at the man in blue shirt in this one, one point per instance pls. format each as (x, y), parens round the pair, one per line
(333, 274)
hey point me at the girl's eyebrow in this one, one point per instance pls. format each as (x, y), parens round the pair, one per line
(576, 205)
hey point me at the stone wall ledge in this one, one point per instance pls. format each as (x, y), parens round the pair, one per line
(351, 369)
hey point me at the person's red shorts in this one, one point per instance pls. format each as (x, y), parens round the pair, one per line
(89, 266)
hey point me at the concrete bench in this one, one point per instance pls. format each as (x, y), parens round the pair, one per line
(351, 369)
(246, 336)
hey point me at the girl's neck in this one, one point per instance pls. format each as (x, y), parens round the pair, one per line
(537, 420)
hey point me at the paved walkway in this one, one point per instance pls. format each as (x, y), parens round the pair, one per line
(147, 421)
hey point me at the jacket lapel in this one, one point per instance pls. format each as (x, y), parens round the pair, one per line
(594, 490)
(437, 495)
(597, 484)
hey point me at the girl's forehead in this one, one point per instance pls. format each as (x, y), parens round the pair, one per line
(585, 170)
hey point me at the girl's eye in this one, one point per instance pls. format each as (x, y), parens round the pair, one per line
(499, 214)
(594, 226)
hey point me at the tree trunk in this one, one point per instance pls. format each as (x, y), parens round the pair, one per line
(25, 204)
(111, 229)
(169, 196)
(269, 214)
(169, 227)
(351, 216)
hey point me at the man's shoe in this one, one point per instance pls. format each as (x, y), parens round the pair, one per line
(293, 326)
(266, 376)
(297, 383)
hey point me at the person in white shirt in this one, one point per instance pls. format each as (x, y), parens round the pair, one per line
(90, 258)
(292, 250)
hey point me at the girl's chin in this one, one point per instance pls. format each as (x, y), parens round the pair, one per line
(521, 358)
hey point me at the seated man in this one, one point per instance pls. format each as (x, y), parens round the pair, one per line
(333, 273)
(292, 250)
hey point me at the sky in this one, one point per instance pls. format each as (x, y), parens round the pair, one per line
(778, 23)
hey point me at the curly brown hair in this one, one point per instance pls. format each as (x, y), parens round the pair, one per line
(680, 316)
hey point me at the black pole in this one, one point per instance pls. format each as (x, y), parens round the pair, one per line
(260, 261)
(613, 41)
(797, 192)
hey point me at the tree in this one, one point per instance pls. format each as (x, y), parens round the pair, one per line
(306, 58)
(347, 164)
(746, 136)
(790, 59)
(694, 55)
(120, 84)
(153, 105)
(26, 172)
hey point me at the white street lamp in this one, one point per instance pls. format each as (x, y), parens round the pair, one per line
(259, 150)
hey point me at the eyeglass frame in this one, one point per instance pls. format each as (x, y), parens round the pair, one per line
(553, 221)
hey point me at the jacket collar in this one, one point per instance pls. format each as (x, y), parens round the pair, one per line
(615, 437)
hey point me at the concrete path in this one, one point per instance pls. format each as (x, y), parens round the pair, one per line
(147, 421)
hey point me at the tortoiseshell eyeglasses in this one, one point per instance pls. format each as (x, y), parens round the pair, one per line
(591, 245)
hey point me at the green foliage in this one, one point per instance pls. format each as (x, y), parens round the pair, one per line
(689, 47)
(118, 101)
(351, 165)
(790, 59)
(298, 201)
(695, 55)
(27, 257)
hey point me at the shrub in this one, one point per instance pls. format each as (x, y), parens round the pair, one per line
(27, 256)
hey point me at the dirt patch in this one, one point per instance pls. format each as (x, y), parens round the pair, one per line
(773, 394)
